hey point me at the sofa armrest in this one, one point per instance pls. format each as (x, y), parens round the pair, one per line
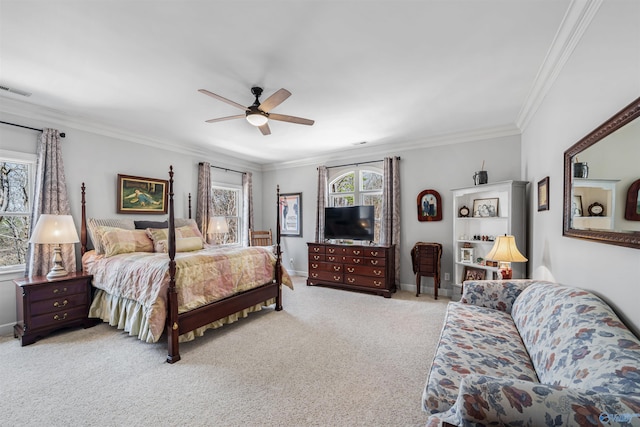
(495, 294)
(489, 400)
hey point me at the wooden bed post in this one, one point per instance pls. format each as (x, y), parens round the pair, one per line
(278, 252)
(83, 225)
(173, 329)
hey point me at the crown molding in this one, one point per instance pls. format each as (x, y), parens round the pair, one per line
(576, 20)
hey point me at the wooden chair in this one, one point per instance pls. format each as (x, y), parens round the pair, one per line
(260, 238)
(425, 258)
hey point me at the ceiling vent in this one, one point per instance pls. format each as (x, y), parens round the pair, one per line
(16, 91)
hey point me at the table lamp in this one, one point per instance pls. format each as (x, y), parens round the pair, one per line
(55, 230)
(505, 252)
(218, 225)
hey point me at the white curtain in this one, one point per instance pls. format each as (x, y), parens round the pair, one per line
(204, 207)
(50, 198)
(247, 207)
(390, 230)
(322, 197)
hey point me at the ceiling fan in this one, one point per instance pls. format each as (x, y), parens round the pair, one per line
(258, 113)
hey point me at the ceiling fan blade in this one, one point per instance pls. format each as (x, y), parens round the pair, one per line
(265, 129)
(274, 100)
(222, 98)
(222, 119)
(291, 119)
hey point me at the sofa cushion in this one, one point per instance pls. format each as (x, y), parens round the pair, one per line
(576, 340)
(474, 340)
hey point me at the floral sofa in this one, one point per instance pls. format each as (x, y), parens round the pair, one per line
(526, 352)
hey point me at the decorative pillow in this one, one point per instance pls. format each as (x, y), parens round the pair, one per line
(143, 225)
(119, 241)
(159, 234)
(183, 244)
(95, 234)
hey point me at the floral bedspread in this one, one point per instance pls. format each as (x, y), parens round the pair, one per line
(202, 277)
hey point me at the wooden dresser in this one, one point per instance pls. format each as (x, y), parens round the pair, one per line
(43, 305)
(361, 268)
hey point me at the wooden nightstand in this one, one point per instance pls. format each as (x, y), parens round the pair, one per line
(44, 306)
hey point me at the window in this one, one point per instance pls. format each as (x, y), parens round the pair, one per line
(16, 192)
(227, 202)
(358, 187)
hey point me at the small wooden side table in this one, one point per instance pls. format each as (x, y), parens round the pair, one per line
(44, 306)
(425, 257)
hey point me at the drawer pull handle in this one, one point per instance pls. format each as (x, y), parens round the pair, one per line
(350, 280)
(57, 317)
(331, 250)
(332, 258)
(57, 304)
(314, 265)
(356, 252)
(336, 268)
(316, 249)
(374, 262)
(377, 272)
(316, 257)
(374, 253)
(351, 269)
(337, 278)
(356, 261)
(375, 282)
(314, 275)
(56, 290)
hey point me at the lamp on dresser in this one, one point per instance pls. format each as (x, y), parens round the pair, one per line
(55, 230)
(505, 251)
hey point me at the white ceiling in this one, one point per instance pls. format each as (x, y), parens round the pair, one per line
(384, 72)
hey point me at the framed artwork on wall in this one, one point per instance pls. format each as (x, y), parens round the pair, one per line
(138, 195)
(429, 206)
(291, 214)
(543, 194)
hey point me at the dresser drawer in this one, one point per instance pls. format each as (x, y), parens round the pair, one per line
(354, 251)
(316, 257)
(353, 260)
(372, 282)
(375, 262)
(364, 270)
(316, 249)
(325, 266)
(326, 276)
(374, 252)
(334, 250)
(59, 318)
(62, 303)
(57, 289)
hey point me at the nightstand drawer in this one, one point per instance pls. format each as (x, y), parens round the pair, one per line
(56, 319)
(57, 289)
(64, 302)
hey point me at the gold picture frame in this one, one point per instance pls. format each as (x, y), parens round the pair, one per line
(138, 195)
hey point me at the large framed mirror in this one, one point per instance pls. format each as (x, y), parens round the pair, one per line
(600, 172)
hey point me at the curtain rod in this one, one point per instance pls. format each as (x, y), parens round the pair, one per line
(225, 169)
(62, 134)
(355, 164)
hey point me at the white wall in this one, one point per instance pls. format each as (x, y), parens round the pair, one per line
(96, 160)
(440, 168)
(601, 77)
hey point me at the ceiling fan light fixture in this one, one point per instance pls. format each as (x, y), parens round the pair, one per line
(257, 119)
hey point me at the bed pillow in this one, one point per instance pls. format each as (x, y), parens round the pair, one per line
(143, 225)
(183, 244)
(160, 234)
(119, 241)
(94, 226)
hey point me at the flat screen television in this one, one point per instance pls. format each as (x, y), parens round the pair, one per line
(350, 222)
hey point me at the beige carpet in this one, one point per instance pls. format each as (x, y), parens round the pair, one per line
(331, 358)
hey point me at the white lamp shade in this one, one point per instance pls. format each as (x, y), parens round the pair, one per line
(54, 229)
(257, 119)
(505, 250)
(218, 224)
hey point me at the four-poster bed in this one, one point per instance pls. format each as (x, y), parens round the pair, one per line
(197, 289)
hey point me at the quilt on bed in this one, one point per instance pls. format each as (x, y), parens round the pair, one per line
(135, 284)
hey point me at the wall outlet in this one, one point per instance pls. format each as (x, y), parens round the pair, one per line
(447, 276)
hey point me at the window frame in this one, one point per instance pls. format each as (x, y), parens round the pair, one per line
(237, 188)
(30, 160)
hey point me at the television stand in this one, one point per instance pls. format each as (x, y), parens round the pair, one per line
(353, 267)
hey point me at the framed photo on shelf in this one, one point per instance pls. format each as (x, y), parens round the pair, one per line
(576, 205)
(291, 214)
(472, 273)
(429, 206)
(466, 255)
(543, 194)
(485, 208)
(142, 195)
(632, 210)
